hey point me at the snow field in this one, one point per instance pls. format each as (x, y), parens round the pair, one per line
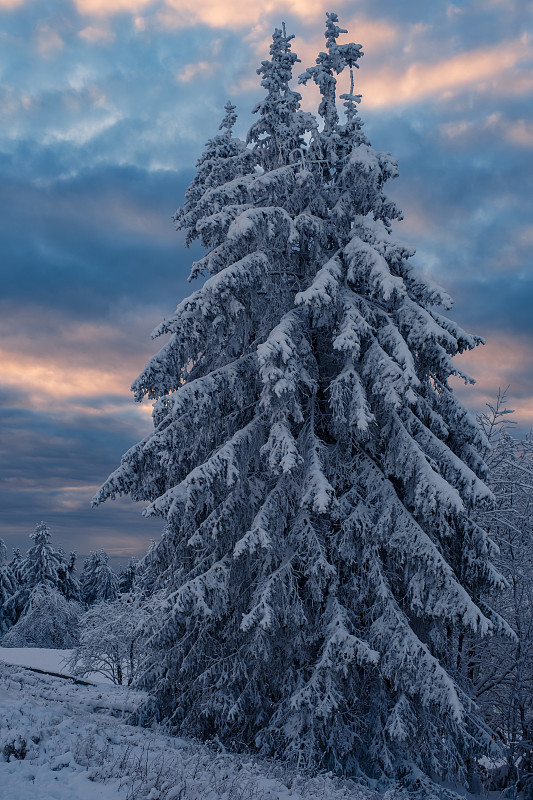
(61, 741)
(45, 658)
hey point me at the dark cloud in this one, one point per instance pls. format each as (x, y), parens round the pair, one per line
(81, 244)
(50, 467)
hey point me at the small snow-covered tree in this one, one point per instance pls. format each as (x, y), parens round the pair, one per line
(68, 583)
(42, 565)
(126, 578)
(501, 670)
(112, 640)
(48, 620)
(16, 564)
(277, 137)
(42, 562)
(98, 582)
(8, 587)
(316, 473)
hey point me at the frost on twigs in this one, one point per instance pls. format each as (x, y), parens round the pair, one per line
(319, 570)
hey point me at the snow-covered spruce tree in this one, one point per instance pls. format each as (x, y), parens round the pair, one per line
(68, 584)
(42, 565)
(224, 158)
(315, 471)
(8, 587)
(42, 562)
(126, 578)
(16, 564)
(98, 581)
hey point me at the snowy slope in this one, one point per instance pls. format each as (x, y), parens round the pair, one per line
(60, 741)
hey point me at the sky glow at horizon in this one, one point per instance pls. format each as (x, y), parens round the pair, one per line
(107, 104)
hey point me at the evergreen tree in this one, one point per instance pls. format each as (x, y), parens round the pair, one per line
(42, 563)
(107, 583)
(316, 473)
(16, 564)
(8, 587)
(126, 579)
(224, 159)
(43, 566)
(68, 583)
(98, 582)
(278, 135)
(88, 581)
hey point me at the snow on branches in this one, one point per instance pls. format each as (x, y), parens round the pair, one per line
(313, 469)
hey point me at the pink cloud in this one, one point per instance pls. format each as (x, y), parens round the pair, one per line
(502, 362)
(48, 42)
(198, 69)
(520, 133)
(11, 3)
(72, 369)
(110, 7)
(95, 34)
(517, 132)
(441, 79)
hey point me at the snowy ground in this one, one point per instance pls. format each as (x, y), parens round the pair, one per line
(45, 659)
(41, 657)
(62, 741)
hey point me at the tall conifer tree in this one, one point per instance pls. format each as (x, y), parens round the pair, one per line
(314, 469)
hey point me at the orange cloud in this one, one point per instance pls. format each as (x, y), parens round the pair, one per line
(440, 79)
(222, 14)
(213, 13)
(41, 377)
(11, 3)
(374, 35)
(71, 368)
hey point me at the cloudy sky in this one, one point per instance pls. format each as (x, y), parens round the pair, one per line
(104, 108)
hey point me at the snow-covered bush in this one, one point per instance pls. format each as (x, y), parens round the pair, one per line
(501, 670)
(48, 620)
(112, 640)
